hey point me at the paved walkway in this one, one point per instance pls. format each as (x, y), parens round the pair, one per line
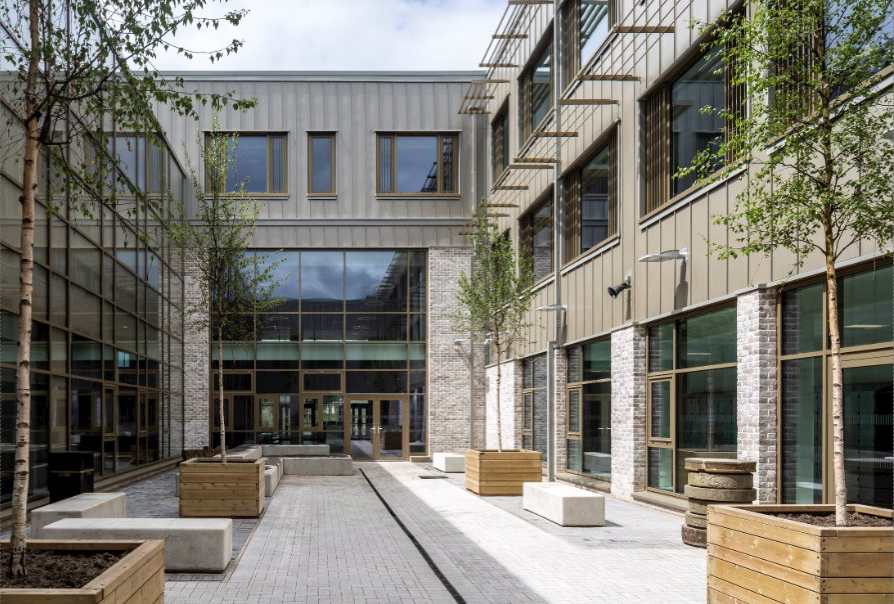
(330, 540)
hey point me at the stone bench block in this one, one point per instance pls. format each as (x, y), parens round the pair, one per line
(336, 465)
(191, 544)
(287, 450)
(251, 454)
(449, 462)
(85, 505)
(271, 479)
(720, 465)
(563, 504)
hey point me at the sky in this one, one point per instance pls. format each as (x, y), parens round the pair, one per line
(319, 35)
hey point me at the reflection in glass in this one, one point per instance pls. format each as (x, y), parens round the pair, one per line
(277, 328)
(333, 412)
(385, 382)
(321, 382)
(866, 308)
(391, 428)
(321, 164)
(278, 382)
(284, 275)
(593, 27)
(574, 410)
(540, 91)
(322, 356)
(376, 356)
(802, 319)
(417, 164)
(417, 282)
(376, 281)
(376, 328)
(693, 130)
(322, 287)
(417, 423)
(278, 355)
(594, 201)
(868, 461)
(322, 328)
(661, 409)
(249, 163)
(706, 417)
(597, 360)
(707, 339)
(802, 431)
(542, 241)
(661, 468)
(362, 428)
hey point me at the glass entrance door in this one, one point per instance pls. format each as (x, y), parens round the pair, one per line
(377, 428)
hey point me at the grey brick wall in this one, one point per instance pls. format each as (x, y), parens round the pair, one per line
(756, 384)
(449, 380)
(561, 357)
(196, 366)
(628, 411)
(510, 404)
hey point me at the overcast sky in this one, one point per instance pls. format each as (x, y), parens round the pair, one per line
(311, 35)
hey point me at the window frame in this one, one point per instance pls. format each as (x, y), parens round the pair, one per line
(573, 63)
(526, 233)
(271, 135)
(573, 198)
(578, 386)
(499, 130)
(333, 166)
(525, 81)
(655, 115)
(440, 135)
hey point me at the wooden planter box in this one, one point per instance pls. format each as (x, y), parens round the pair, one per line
(137, 577)
(756, 558)
(491, 472)
(211, 489)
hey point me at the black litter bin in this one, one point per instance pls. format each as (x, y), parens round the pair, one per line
(71, 473)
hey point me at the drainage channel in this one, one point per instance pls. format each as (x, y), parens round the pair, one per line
(457, 597)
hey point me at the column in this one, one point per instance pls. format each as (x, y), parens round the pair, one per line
(628, 411)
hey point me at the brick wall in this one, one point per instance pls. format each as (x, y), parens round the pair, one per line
(756, 386)
(628, 411)
(449, 380)
(561, 408)
(196, 366)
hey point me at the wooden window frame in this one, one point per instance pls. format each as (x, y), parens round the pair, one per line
(578, 386)
(284, 160)
(311, 136)
(499, 133)
(525, 113)
(572, 65)
(526, 232)
(453, 191)
(573, 199)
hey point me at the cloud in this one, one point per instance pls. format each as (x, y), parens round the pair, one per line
(312, 35)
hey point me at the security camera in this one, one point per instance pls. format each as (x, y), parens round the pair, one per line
(617, 289)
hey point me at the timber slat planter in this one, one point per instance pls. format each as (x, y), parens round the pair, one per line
(755, 557)
(211, 489)
(138, 577)
(491, 472)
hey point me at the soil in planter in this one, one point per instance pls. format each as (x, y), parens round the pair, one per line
(47, 569)
(854, 519)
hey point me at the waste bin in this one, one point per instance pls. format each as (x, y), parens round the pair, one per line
(71, 473)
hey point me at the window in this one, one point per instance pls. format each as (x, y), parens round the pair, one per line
(537, 238)
(805, 407)
(536, 98)
(591, 199)
(499, 146)
(691, 394)
(258, 162)
(534, 411)
(589, 401)
(417, 163)
(676, 129)
(142, 165)
(586, 24)
(321, 158)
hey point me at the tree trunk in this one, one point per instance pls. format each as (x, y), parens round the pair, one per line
(499, 413)
(220, 386)
(17, 542)
(838, 476)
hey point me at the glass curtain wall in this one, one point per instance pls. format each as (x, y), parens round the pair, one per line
(865, 321)
(347, 323)
(691, 394)
(107, 338)
(534, 405)
(589, 403)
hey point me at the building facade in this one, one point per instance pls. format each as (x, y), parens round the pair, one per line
(591, 114)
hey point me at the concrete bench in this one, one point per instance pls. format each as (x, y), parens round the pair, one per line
(563, 504)
(287, 450)
(250, 453)
(271, 479)
(449, 462)
(191, 544)
(85, 505)
(335, 465)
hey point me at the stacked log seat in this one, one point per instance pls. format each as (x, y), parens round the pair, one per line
(714, 481)
(212, 489)
(490, 472)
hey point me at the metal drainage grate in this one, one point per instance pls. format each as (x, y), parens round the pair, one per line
(429, 477)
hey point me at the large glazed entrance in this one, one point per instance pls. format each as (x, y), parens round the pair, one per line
(377, 428)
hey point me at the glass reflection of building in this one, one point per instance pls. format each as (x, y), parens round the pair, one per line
(107, 337)
(346, 335)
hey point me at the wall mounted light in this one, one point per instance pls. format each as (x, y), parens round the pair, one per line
(682, 255)
(617, 289)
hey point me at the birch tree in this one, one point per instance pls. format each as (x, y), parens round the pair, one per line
(74, 70)
(816, 142)
(495, 297)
